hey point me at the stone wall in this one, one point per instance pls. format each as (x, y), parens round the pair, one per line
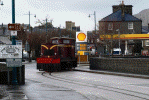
(130, 65)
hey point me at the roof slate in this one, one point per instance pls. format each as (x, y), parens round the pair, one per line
(145, 29)
(117, 16)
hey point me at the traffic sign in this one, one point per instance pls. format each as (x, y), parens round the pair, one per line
(19, 42)
(14, 62)
(10, 51)
(13, 33)
(14, 27)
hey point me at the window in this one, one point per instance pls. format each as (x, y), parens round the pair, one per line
(110, 26)
(146, 42)
(66, 41)
(130, 25)
(55, 41)
(48, 52)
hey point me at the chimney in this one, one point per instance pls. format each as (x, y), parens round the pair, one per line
(122, 2)
(123, 10)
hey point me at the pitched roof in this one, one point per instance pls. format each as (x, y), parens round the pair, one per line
(145, 29)
(117, 16)
(5, 40)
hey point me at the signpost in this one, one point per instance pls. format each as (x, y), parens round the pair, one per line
(13, 33)
(11, 51)
(19, 42)
(14, 27)
(14, 62)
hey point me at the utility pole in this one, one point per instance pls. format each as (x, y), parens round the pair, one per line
(29, 18)
(46, 30)
(46, 26)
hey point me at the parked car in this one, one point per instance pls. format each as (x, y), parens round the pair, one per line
(117, 51)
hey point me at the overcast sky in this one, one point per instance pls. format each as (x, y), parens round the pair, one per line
(64, 10)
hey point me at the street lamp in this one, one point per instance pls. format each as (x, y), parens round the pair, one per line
(94, 19)
(1, 2)
(29, 18)
(2, 5)
(119, 39)
(95, 24)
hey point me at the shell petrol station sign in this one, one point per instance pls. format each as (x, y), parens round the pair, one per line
(81, 37)
(81, 41)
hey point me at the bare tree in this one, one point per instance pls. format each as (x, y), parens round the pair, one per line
(22, 35)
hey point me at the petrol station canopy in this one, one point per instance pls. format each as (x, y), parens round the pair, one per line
(125, 37)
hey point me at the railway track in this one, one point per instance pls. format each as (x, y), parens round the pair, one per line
(139, 95)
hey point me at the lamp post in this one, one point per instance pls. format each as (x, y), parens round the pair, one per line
(29, 18)
(119, 39)
(14, 72)
(94, 19)
(1, 3)
(95, 25)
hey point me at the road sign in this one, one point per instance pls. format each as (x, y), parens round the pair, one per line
(19, 42)
(10, 51)
(13, 33)
(11, 62)
(14, 27)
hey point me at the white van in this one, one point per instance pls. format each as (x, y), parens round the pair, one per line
(116, 51)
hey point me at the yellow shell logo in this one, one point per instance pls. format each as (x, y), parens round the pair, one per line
(81, 36)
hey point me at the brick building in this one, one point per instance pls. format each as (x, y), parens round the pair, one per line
(121, 21)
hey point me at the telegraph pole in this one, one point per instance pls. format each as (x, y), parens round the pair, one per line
(46, 30)
(29, 18)
(29, 21)
(46, 26)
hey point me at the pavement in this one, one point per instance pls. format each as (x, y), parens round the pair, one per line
(84, 67)
(10, 92)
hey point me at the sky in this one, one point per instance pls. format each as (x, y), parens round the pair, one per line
(64, 10)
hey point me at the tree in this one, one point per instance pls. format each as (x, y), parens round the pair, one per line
(34, 41)
(68, 33)
(22, 35)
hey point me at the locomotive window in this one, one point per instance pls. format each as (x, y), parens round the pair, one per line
(66, 41)
(55, 41)
(48, 52)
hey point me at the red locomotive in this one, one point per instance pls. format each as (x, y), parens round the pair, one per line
(57, 55)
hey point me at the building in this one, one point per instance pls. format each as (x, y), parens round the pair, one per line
(121, 21)
(94, 43)
(4, 35)
(69, 25)
(145, 43)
